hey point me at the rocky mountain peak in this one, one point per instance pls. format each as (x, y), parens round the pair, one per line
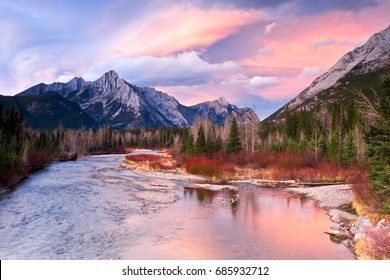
(109, 81)
(223, 102)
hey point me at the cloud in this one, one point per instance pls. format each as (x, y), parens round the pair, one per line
(243, 43)
(183, 69)
(179, 29)
(265, 51)
(269, 27)
(323, 43)
(309, 72)
(263, 82)
(297, 7)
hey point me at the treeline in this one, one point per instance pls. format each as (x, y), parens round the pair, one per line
(335, 132)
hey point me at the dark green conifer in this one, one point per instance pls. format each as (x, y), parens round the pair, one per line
(378, 140)
(234, 142)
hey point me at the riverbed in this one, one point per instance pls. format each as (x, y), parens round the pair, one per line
(94, 209)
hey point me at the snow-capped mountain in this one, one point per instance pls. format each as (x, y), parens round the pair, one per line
(112, 101)
(371, 57)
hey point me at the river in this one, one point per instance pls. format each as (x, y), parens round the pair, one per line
(94, 209)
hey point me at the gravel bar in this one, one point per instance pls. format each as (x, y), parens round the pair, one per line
(327, 196)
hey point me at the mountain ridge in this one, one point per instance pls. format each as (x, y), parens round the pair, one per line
(371, 57)
(112, 101)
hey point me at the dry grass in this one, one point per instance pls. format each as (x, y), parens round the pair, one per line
(151, 162)
(375, 245)
(365, 203)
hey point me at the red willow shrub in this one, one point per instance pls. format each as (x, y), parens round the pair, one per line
(204, 166)
(143, 157)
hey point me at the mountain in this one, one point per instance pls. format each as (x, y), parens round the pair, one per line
(356, 70)
(221, 111)
(112, 101)
(59, 88)
(49, 111)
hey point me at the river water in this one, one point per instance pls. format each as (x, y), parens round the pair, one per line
(94, 209)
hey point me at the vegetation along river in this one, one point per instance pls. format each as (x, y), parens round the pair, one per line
(94, 209)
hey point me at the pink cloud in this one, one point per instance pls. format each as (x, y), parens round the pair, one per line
(180, 29)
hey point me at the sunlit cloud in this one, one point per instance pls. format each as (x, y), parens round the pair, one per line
(181, 69)
(309, 73)
(265, 51)
(323, 43)
(269, 27)
(263, 82)
(182, 28)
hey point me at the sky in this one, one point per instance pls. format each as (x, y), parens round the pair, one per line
(255, 53)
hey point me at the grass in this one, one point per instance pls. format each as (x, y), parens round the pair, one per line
(376, 244)
(160, 161)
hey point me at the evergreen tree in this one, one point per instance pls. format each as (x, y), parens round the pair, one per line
(191, 145)
(378, 140)
(200, 145)
(184, 141)
(212, 144)
(1, 117)
(233, 142)
(349, 155)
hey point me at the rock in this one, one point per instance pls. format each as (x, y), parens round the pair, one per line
(358, 236)
(339, 216)
(336, 227)
(363, 224)
(354, 230)
(382, 224)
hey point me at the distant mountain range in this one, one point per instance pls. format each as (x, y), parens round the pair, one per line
(111, 101)
(358, 70)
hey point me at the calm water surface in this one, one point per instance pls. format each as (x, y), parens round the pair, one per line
(89, 209)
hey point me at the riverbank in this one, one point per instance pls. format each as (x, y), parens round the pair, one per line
(10, 178)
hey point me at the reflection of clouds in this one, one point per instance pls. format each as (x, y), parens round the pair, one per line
(266, 224)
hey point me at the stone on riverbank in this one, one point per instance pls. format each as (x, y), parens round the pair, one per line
(339, 216)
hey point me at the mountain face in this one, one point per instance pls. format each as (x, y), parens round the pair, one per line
(112, 101)
(356, 70)
(221, 111)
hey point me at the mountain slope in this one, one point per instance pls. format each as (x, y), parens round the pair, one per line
(49, 111)
(112, 101)
(356, 70)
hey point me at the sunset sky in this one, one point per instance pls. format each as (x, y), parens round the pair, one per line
(258, 53)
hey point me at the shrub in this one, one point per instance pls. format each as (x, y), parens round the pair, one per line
(204, 166)
(376, 245)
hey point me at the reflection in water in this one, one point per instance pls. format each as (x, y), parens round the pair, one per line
(89, 209)
(261, 224)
